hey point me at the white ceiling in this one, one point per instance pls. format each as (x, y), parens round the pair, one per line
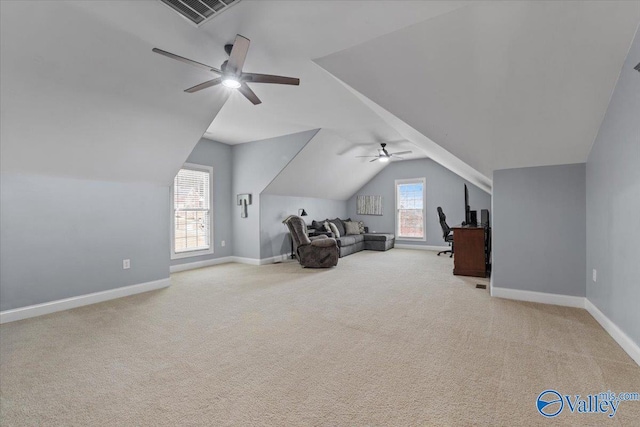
(312, 29)
(82, 95)
(478, 85)
(285, 37)
(327, 167)
(499, 84)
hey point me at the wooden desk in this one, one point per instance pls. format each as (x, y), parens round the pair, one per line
(469, 256)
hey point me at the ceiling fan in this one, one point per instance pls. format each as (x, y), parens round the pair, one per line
(385, 156)
(230, 71)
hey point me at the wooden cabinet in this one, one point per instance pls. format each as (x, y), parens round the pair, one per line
(469, 257)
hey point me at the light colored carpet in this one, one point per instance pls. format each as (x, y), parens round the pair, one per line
(386, 338)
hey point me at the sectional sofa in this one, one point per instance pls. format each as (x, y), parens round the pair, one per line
(351, 243)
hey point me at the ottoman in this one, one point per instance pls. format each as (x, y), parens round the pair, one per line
(379, 241)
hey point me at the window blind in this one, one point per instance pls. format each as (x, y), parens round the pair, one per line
(410, 209)
(192, 210)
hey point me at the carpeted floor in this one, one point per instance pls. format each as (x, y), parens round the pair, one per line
(386, 338)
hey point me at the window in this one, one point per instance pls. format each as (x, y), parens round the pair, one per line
(191, 230)
(410, 217)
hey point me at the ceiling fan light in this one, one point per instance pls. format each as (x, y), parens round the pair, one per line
(383, 159)
(231, 82)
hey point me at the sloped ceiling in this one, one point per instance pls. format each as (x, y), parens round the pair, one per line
(82, 95)
(499, 84)
(285, 37)
(327, 167)
(478, 85)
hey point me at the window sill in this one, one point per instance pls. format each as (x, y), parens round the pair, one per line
(191, 254)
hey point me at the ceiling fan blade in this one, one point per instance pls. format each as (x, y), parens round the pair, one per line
(386, 153)
(268, 78)
(367, 156)
(186, 61)
(401, 153)
(204, 85)
(238, 53)
(399, 158)
(374, 160)
(249, 94)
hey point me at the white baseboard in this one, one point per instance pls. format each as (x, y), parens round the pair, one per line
(200, 264)
(228, 259)
(541, 297)
(262, 261)
(242, 260)
(274, 259)
(422, 247)
(627, 344)
(79, 301)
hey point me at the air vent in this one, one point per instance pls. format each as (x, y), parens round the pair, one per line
(199, 11)
(637, 67)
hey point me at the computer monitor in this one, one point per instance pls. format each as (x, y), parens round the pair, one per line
(467, 208)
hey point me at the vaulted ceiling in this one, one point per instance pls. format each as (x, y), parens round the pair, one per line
(478, 86)
(331, 167)
(82, 95)
(475, 85)
(499, 84)
(285, 37)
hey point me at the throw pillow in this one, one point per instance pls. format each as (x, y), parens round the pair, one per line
(352, 227)
(361, 227)
(334, 230)
(339, 225)
(327, 227)
(344, 223)
(317, 225)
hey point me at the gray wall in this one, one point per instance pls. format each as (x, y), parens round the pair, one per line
(444, 188)
(613, 205)
(254, 166)
(64, 237)
(274, 235)
(539, 232)
(217, 155)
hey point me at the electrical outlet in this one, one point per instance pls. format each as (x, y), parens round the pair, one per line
(223, 243)
(594, 275)
(126, 263)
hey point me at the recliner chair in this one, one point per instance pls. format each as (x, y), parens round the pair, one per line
(447, 235)
(315, 252)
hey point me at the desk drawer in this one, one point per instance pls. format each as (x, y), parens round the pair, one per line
(469, 252)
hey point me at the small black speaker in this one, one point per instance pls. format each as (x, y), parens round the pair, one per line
(473, 218)
(484, 217)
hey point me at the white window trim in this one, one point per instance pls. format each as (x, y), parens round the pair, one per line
(423, 180)
(190, 254)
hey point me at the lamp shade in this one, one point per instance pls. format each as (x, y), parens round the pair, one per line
(302, 212)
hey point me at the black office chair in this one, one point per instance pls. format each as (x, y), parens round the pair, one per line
(447, 235)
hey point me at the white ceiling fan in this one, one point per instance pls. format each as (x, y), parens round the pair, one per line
(385, 156)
